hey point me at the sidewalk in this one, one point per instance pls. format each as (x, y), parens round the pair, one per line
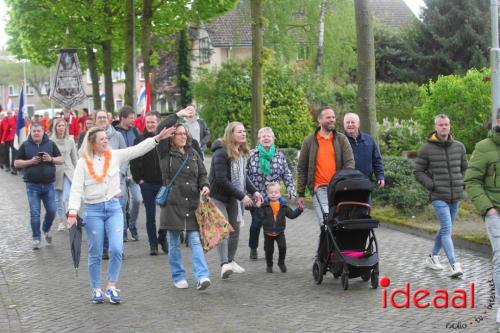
(40, 292)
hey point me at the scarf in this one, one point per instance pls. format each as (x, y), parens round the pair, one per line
(266, 156)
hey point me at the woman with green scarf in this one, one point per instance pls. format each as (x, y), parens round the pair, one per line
(266, 165)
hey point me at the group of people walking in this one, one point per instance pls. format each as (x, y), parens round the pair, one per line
(96, 181)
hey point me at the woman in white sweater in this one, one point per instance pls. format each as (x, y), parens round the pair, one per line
(64, 172)
(97, 181)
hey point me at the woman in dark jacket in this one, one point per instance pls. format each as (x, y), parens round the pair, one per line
(179, 213)
(229, 184)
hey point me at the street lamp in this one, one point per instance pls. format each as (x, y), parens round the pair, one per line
(495, 62)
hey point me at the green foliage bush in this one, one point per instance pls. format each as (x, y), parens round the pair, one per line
(401, 190)
(465, 99)
(393, 100)
(225, 96)
(396, 136)
(292, 158)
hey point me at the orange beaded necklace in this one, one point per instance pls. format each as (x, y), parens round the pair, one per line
(90, 167)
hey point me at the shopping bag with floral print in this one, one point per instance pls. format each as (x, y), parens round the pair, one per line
(214, 227)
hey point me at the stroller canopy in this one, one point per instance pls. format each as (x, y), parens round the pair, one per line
(349, 185)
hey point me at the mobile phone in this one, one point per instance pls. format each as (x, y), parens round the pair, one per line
(40, 154)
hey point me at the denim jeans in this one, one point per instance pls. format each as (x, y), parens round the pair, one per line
(46, 194)
(198, 261)
(322, 195)
(493, 229)
(100, 218)
(149, 192)
(123, 204)
(446, 213)
(62, 198)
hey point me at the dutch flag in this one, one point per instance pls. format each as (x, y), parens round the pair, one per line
(142, 95)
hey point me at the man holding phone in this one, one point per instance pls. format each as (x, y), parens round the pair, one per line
(38, 156)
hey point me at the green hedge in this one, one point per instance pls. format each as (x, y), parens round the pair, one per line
(465, 99)
(225, 96)
(402, 191)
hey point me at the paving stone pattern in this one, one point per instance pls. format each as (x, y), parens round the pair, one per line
(39, 291)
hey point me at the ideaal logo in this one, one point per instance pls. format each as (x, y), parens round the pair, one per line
(422, 298)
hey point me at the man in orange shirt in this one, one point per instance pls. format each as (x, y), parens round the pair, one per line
(321, 155)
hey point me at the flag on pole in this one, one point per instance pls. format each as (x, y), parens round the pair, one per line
(10, 104)
(20, 136)
(148, 95)
(141, 96)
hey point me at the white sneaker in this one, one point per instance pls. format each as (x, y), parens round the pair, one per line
(498, 316)
(182, 284)
(433, 262)
(236, 268)
(36, 244)
(456, 270)
(226, 270)
(61, 227)
(203, 284)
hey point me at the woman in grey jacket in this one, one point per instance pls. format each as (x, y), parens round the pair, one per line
(64, 172)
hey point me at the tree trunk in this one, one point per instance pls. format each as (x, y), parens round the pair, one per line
(321, 37)
(257, 91)
(129, 66)
(184, 68)
(94, 76)
(108, 80)
(366, 68)
(146, 48)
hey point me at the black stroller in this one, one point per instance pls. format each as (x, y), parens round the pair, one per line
(347, 244)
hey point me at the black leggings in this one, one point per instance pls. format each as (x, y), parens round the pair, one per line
(269, 248)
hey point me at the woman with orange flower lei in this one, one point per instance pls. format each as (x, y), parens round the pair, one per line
(96, 181)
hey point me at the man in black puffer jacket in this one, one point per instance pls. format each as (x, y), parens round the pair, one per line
(440, 166)
(147, 173)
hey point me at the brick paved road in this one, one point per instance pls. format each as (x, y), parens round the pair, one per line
(40, 293)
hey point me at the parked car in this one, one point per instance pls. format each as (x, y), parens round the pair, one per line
(52, 112)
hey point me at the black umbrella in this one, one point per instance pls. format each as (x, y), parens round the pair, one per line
(75, 243)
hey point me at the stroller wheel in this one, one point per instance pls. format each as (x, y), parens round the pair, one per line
(366, 276)
(345, 281)
(317, 271)
(374, 279)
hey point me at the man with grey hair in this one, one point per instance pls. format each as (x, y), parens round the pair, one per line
(481, 185)
(440, 167)
(366, 153)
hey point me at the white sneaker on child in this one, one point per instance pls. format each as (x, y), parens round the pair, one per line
(236, 268)
(433, 262)
(61, 227)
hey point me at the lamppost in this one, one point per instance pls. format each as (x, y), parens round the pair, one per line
(495, 61)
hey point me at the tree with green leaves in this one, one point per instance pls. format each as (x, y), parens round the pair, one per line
(453, 37)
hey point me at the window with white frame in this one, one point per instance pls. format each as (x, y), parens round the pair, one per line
(141, 72)
(13, 90)
(204, 49)
(304, 52)
(45, 89)
(118, 75)
(29, 90)
(118, 104)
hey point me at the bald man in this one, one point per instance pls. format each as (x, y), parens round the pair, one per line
(364, 148)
